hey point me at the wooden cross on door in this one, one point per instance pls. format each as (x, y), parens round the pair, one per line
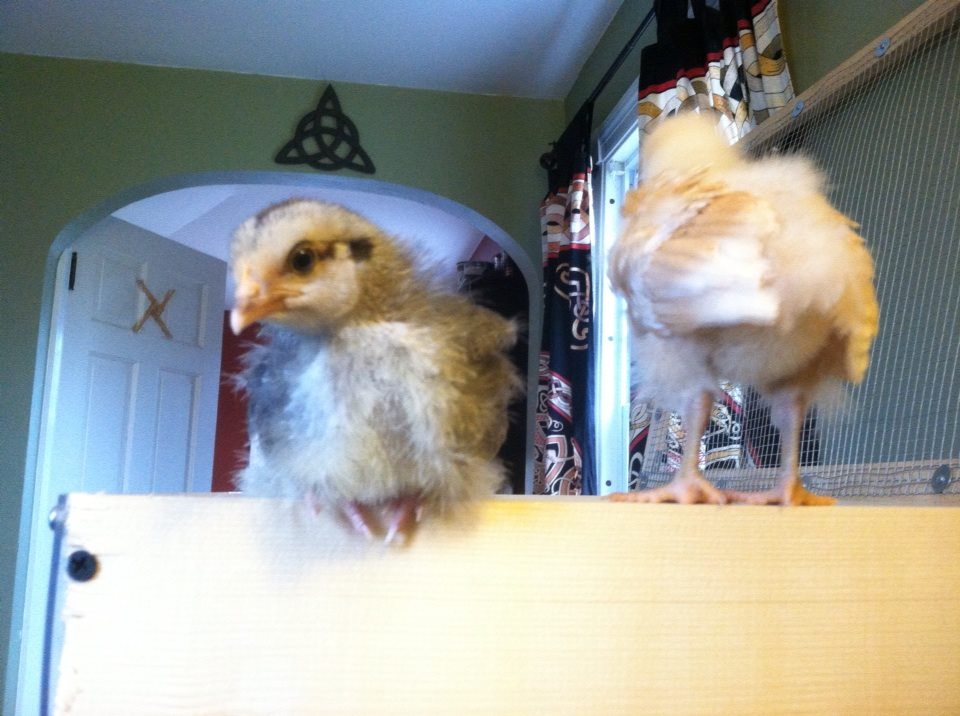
(154, 310)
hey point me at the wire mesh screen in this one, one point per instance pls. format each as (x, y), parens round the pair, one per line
(885, 129)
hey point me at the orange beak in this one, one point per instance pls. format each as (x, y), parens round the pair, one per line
(257, 299)
(251, 311)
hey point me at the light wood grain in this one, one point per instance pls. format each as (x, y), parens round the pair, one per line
(231, 605)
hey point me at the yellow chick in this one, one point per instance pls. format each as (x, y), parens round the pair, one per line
(375, 394)
(739, 270)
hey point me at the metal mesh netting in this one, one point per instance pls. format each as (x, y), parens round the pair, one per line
(885, 128)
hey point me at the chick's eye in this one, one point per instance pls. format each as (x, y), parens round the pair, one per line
(302, 259)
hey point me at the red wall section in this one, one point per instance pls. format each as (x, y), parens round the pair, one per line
(230, 451)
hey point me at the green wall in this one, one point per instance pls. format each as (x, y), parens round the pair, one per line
(75, 133)
(894, 166)
(820, 34)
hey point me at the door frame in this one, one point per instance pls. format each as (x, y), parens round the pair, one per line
(18, 675)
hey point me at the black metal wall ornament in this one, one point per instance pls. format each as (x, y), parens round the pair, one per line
(327, 139)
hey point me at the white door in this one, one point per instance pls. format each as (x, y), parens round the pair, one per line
(130, 399)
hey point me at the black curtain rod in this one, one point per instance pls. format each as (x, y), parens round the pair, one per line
(622, 57)
(549, 160)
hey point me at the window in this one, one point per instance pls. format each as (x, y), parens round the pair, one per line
(618, 159)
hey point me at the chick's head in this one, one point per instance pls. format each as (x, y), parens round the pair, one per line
(686, 142)
(301, 264)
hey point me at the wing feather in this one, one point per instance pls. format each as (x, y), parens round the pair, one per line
(692, 255)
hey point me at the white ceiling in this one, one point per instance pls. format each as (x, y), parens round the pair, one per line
(518, 48)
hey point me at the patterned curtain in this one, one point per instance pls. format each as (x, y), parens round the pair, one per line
(564, 421)
(725, 57)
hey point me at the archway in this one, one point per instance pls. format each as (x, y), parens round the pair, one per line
(201, 211)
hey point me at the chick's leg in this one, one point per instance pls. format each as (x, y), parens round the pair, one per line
(787, 411)
(688, 486)
(359, 518)
(351, 514)
(403, 514)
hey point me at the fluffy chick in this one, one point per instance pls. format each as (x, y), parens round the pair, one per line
(375, 394)
(739, 270)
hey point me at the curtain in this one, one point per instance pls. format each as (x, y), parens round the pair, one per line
(720, 55)
(725, 57)
(564, 415)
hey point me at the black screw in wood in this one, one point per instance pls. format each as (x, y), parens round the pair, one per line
(82, 566)
(941, 479)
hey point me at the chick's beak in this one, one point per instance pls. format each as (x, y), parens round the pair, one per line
(243, 315)
(254, 302)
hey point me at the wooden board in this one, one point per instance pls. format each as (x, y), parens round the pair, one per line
(232, 605)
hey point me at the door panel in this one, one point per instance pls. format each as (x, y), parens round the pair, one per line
(177, 410)
(106, 425)
(147, 415)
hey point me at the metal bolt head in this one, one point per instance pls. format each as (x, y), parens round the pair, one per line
(941, 479)
(82, 566)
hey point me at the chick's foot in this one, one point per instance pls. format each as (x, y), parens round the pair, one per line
(790, 492)
(686, 489)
